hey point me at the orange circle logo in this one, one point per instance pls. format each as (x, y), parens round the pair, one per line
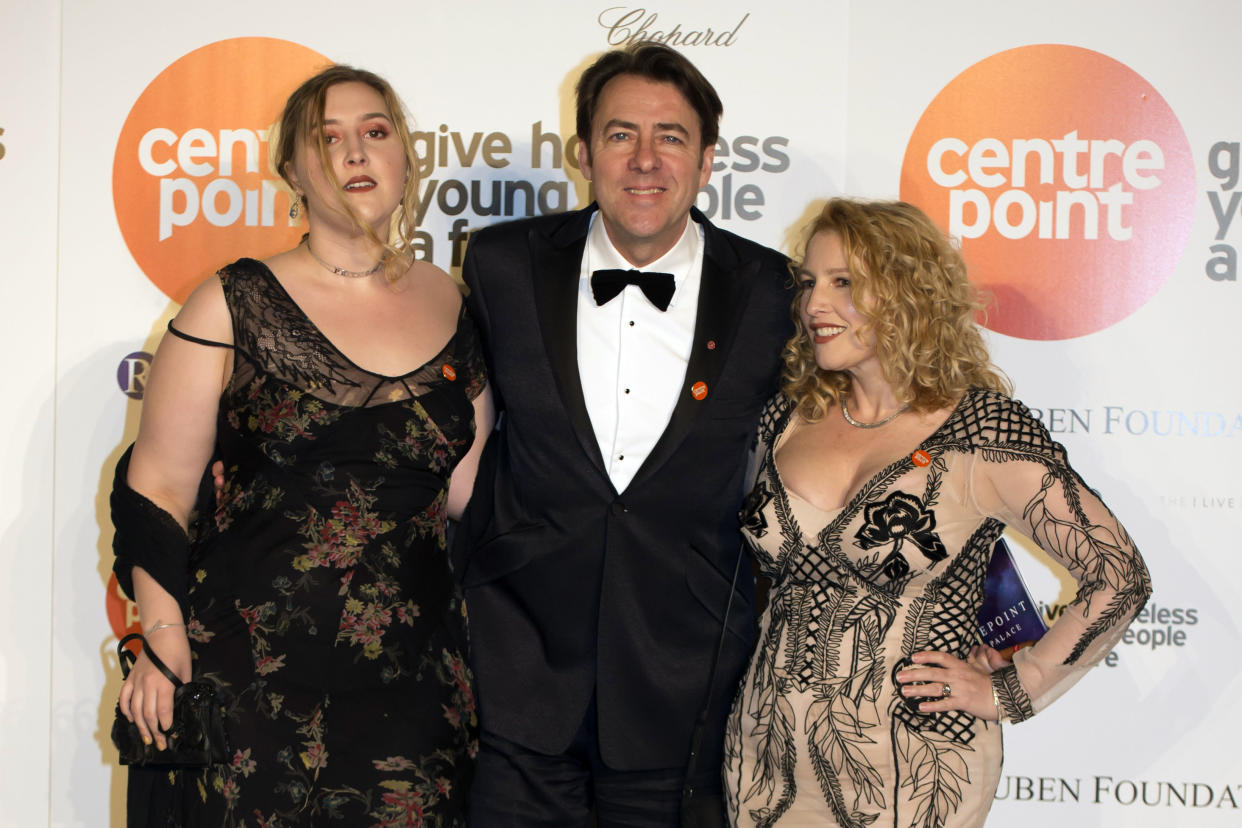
(1068, 181)
(448, 372)
(921, 458)
(699, 390)
(122, 612)
(190, 178)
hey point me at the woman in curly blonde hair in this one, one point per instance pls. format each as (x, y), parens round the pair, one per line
(889, 465)
(926, 341)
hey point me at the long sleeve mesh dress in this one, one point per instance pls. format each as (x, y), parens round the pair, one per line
(819, 734)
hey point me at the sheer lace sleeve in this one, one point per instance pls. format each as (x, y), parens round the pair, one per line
(771, 422)
(1022, 477)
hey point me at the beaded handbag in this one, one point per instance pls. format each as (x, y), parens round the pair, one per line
(196, 738)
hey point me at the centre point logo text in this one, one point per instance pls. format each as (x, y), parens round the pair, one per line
(1079, 167)
(221, 200)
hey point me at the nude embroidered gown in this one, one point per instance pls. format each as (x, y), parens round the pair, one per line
(818, 733)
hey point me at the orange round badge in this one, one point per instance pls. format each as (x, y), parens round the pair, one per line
(921, 458)
(122, 612)
(699, 390)
(191, 183)
(449, 373)
(1058, 168)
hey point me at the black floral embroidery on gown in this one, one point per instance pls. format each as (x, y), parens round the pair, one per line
(819, 734)
(899, 518)
(322, 599)
(752, 515)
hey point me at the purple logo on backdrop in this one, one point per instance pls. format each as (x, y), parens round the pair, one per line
(131, 374)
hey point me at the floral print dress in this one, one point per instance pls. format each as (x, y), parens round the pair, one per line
(819, 734)
(322, 600)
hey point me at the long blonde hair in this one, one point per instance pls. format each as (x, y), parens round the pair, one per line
(302, 120)
(909, 283)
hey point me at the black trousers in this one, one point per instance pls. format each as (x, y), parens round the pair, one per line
(515, 787)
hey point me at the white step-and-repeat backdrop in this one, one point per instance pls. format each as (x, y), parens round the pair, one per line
(1086, 154)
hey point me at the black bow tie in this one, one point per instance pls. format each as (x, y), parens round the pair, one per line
(657, 287)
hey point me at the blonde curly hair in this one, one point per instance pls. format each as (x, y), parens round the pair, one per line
(908, 281)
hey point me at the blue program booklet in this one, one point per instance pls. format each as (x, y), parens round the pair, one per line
(1008, 619)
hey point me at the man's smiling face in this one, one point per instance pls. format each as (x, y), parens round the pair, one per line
(647, 163)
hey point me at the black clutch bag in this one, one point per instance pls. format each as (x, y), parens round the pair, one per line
(196, 738)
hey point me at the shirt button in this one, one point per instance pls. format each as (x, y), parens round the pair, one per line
(618, 508)
(627, 390)
(631, 323)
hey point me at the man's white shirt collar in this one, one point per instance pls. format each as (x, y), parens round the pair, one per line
(679, 260)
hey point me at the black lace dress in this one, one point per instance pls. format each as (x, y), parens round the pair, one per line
(322, 600)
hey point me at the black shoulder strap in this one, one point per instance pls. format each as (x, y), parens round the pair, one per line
(128, 658)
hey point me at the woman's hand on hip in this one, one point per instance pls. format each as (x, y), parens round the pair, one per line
(946, 682)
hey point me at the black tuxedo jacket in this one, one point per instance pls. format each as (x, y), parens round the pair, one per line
(576, 589)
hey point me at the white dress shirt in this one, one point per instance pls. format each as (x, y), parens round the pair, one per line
(631, 355)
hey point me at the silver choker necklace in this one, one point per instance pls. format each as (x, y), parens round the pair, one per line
(340, 271)
(877, 423)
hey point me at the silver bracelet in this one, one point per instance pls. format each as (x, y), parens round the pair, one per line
(157, 626)
(996, 701)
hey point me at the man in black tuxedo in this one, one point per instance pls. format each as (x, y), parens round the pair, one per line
(610, 605)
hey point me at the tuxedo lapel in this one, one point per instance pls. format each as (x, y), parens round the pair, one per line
(725, 285)
(556, 261)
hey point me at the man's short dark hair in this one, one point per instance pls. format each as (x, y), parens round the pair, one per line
(655, 62)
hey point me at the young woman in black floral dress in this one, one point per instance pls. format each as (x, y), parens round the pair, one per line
(341, 384)
(889, 465)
